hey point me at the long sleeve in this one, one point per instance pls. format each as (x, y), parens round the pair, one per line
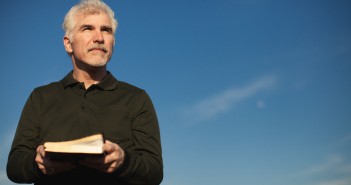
(143, 163)
(21, 167)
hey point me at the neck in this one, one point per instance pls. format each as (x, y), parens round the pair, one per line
(90, 77)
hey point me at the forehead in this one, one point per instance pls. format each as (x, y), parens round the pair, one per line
(100, 19)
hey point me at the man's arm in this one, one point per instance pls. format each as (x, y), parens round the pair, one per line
(21, 167)
(143, 163)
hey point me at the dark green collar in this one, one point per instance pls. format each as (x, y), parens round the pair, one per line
(108, 83)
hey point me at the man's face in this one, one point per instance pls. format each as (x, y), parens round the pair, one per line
(92, 40)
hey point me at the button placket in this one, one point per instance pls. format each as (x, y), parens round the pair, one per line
(84, 101)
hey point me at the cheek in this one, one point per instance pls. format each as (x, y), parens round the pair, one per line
(78, 48)
(109, 48)
(82, 42)
(109, 41)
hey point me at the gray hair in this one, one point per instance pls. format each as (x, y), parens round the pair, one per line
(87, 7)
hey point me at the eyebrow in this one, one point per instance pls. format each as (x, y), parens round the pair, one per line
(86, 26)
(104, 27)
(109, 28)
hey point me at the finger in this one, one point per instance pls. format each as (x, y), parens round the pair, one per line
(114, 152)
(41, 167)
(40, 150)
(38, 159)
(109, 147)
(49, 167)
(109, 169)
(110, 162)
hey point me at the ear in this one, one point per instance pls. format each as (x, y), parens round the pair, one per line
(68, 45)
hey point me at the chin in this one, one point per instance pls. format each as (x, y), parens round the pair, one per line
(97, 63)
(102, 64)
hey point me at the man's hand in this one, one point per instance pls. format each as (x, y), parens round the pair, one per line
(110, 162)
(48, 166)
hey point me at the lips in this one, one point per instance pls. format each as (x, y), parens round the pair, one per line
(98, 48)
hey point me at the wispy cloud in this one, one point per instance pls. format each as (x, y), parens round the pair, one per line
(345, 181)
(224, 101)
(335, 169)
(331, 164)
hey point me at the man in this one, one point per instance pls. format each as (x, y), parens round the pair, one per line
(88, 100)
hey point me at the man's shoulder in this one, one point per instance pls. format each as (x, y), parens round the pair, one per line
(53, 86)
(129, 87)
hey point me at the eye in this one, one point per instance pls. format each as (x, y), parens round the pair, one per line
(107, 30)
(86, 27)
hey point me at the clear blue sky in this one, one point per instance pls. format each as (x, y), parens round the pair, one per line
(248, 92)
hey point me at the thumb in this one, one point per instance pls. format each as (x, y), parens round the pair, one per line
(40, 150)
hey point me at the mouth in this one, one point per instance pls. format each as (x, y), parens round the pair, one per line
(100, 49)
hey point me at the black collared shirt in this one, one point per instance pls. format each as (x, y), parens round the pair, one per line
(65, 110)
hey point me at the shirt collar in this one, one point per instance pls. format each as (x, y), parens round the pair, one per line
(108, 83)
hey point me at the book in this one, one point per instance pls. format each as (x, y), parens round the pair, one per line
(75, 149)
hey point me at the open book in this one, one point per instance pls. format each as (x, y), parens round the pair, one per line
(73, 149)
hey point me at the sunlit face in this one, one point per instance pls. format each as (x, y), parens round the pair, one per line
(92, 40)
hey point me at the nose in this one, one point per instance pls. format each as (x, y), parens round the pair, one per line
(98, 37)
